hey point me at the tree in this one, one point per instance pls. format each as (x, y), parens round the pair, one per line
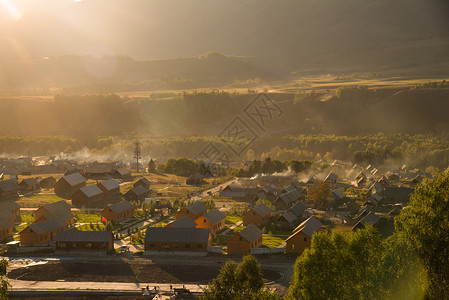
(151, 166)
(4, 285)
(242, 281)
(108, 226)
(319, 192)
(426, 224)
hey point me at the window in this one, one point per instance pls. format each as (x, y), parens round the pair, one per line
(204, 220)
(152, 244)
(305, 239)
(254, 213)
(187, 246)
(89, 245)
(62, 245)
(199, 246)
(74, 245)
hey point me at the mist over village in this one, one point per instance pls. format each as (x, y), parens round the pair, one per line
(256, 149)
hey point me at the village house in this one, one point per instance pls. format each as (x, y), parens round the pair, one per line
(184, 222)
(292, 217)
(236, 191)
(60, 210)
(394, 194)
(87, 194)
(143, 182)
(81, 242)
(6, 229)
(285, 201)
(193, 211)
(29, 185)
(257, 215)
(331, 178)
(194, 179)
(47, 183)
(270, 192)
(177, 239)
(99, 172)
(369, 218)
(70, 183)
(109, 187)
(243, 241)
(214, 220)
(10, 209)
(301, 237)
(122, 174)
(8, 188)
(42, 232)
(137, 193)
(117, 212)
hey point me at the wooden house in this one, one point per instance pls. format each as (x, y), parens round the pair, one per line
(195, 179)
(369, 218)
(193, 211)
(286, 200)
(99, 172)
(137, 193)
(29, 185)
(84, 242)
(109, 187)
(331, 178)
(8, 188)
(243, 241)
(238, 192)
(302, 235)
(184, 222)
(117, 212)
(10, 209)
(214, 220)
(145, 182)
(394, 194)
(122, 174)
(6, 229)
(257, 215)
(87, 194)
(70, 183)
(292, 217)
(271, 192)
(177, 239)
(42, 232)
(47, 182)
(60, 210)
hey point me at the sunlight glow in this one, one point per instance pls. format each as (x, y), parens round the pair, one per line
(11, 9)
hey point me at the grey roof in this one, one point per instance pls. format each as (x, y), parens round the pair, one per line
(270, 189)
(177, 234)
(91, 190)
(143, 180)
(46, 226)
(74, 179)
(290, 197)
(83, 236)
(251, 233)
(338, 194)
(290, 188)
(8, 185)
(110, 184)
(123, 171)
(184, 222)
(5, 224)
(370, 218)
(214, 216)
(309, 226)
(196, 207)
(289, 216)
(138, 190)
(6, 214)
(331, 177)
(261, 209)
(297, 209)
(394, 191)
(29, 182)
(121, 206)
(59, 210)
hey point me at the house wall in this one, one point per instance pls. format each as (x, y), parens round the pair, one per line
(202, 222)
(239, 245)
(116, 217)
(175, 246)
(85, 246)
(252, 217)
(30, 237)
(298, 243)
(63, 187)
(80, 198)
(107, 193)
(6, 233)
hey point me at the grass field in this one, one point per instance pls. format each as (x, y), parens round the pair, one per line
(272, 241)
(38, 200)
(87, 218)
(233, 219)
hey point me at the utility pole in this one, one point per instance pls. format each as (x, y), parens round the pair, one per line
(137, 154)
